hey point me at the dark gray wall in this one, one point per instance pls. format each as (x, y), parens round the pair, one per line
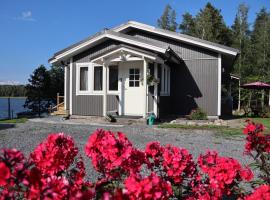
(112, 102)
(194, 83)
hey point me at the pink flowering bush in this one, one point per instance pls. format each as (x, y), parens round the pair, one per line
(55, 170)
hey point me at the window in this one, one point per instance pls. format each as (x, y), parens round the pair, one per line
(98, 78)
(134, 77)
(113, 78)
(83, 78)
(165, 80)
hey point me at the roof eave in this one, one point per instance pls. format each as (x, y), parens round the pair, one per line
(152, 29)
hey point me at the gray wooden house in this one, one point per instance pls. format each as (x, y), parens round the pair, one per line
(135, 69)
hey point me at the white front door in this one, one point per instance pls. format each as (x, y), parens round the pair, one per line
(131, 74)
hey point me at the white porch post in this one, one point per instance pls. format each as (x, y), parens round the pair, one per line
(104, 89)
(219, 85)
(144, 88)
(156, 90)
(65, 88)
(70, 86)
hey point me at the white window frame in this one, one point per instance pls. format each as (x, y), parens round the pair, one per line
(78, 69)
(90, 90)
(98, 92)
(116, 92)
(165, 80)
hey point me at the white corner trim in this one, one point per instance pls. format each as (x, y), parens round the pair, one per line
(104, 80)
(172, 35)
(65, 87)
(155, 90)
(219, 85)
(145, 103)
(70, 86)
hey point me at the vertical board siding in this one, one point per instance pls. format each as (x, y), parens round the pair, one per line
(194, 84)
(112, 102)
(67, 95)
(150, 103)
(87, 55)
(185, 51)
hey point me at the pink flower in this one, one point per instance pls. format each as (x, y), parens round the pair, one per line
(151, 187)
(262, 193)
(4, 174)
(55, 154)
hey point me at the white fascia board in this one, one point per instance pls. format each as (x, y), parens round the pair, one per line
(126, 50)
(178, 37)
(107, 35)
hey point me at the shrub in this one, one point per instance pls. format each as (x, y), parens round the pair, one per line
(197, 114)
(55, 170)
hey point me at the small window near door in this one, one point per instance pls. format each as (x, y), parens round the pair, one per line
(113, 78)
(98, 78)
(83, 78)
(134, 77)
(165, 81)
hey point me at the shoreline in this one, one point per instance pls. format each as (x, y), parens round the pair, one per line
(13, 97)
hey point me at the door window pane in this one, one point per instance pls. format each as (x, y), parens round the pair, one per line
(83, 78)
(134, 77)
(113, 78)
(98, 78)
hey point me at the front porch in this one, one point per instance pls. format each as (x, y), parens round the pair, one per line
(120, 77)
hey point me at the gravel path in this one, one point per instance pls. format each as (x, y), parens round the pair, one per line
(26, 136)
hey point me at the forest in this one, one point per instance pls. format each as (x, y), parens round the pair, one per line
(12, 91)
(251, 38)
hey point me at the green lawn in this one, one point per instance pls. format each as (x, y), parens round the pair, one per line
(13, 121)
(264, 121)
(223, 131)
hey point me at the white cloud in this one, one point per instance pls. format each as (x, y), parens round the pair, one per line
(26, 16)
(9, 82)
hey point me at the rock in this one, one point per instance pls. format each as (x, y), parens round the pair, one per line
(173, 122)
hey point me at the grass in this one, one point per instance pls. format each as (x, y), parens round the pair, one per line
(264, 121)
(222, 131)
(13, 121)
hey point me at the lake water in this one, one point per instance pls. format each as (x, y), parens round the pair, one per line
(16, 105)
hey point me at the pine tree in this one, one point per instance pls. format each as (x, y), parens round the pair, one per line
(210, 25)
(173, 24)
(56, 81)
(240, 32)
(188, 24)
(38, 91)
(260, 43)
(167, 20)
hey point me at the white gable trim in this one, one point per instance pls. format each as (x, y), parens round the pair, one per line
(178, 37)
(107, 35)
(126, 50)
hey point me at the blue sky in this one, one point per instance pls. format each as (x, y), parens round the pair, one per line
(32, 30)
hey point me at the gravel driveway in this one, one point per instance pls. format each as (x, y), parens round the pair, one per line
(26, 136)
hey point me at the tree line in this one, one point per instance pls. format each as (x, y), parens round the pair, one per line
(12, 91)
(252, 39)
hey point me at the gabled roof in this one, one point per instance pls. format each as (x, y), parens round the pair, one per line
(177, 36)
(103, 35)
(118, 34)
